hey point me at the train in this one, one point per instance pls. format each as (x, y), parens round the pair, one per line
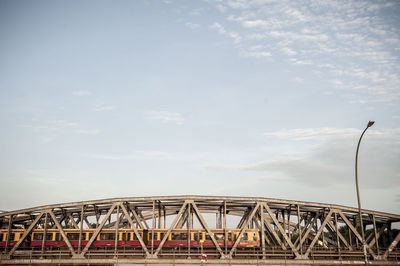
(127, 237)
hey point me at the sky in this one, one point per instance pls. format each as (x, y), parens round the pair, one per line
(102, 99)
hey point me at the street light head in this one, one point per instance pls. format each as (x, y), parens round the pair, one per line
(370, 123)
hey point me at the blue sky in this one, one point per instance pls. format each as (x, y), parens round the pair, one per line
(267, 98)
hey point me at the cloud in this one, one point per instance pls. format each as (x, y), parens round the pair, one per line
(81, 93)
(51, 125)
(255, 23)
(165, 117)
(358, 38)
(258, 54)
(192, 26)
(196, 12)
(101, 107)
(329, 157)
(331, 160)
(221, 8)
(137, 155)
(221, 30)
(288, 51)
(312, 133)
(59, 125)
(332, 163)
(88, 131)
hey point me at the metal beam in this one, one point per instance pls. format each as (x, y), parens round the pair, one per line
(392, 246)
(205, 226)
(170, 229)
(242, 229)
(321, 229)
(355, 232)
(98, 229)
(138, 236)
(27, 232)
(62, 232)
(294, 250)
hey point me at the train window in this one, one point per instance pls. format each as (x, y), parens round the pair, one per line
(195, 236)
(179, 236)
(90, 236)
(219, 236)
(151, 235)
(230, 236)
(107, 236)
(162, 236)
(49, 236)
(245, 236)
(175, 236)
(122, 237)
(58, 237)
(37, 236)
(73, 236)
(12, 237)
(208, 237)
(135, 237)
(1, 236)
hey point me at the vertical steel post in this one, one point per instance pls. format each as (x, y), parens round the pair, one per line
(165, 217)
(44, 233)
(262, 231)
(337, 236)
(81, 228)
(376, 235)
(288, 223)
(220, 216)
(299, 225)
(159, 215)
(189, 226)
(116, 231)
(284, 225)
(152, 228)
(225, 231)
(8, 233)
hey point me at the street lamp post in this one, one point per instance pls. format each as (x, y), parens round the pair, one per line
(370, 123)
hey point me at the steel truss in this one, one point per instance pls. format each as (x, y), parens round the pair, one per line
(289, 232)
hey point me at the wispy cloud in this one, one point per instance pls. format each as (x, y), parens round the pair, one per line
(59, 126)
(88, 131)
(337, 133)
(196, 12)
(50, 125)
(81, 93)
(192, 26)
(165, 117)
(357, 39)
(136, 155)
(101, 107)
(331, 159)
(332, 163)
(231, 34)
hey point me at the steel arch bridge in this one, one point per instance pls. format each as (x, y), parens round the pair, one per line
(197, 230)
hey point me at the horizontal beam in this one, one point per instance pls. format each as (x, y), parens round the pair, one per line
(193, 261)
(243, 200)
